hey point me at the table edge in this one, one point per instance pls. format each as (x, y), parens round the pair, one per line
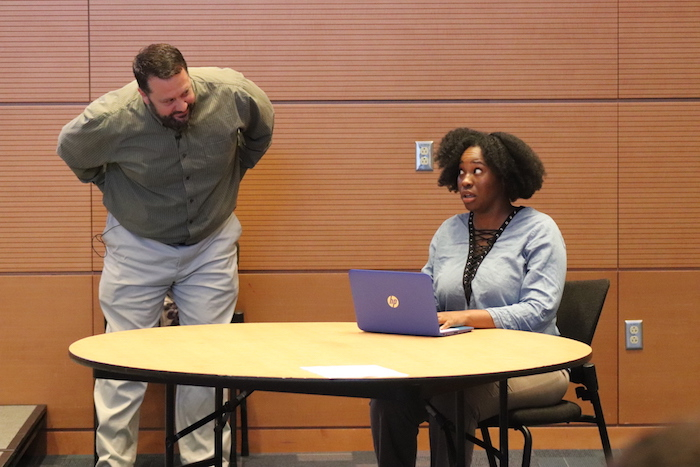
(351, 387)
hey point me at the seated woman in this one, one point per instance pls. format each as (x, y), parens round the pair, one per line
(497, 265)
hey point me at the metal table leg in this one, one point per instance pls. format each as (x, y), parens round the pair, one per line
(503, 421)
(169, 425)
(459, 429)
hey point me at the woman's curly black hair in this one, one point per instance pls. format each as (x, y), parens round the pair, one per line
(515, 163)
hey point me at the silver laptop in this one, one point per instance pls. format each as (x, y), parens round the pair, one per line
(396, 302)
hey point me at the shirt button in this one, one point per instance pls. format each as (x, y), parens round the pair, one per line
(187, 178)
(184, 155)
(191, 201)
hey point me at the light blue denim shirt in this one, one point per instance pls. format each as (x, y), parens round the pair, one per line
(521, 280)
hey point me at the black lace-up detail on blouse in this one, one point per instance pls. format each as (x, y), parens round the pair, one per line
(480, 243)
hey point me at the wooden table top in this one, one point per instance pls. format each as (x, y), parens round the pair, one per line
(267, 355)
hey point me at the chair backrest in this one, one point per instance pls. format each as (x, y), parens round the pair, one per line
(580, 308)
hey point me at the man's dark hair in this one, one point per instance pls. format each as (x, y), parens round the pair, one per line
(160, 60)
(514, 162)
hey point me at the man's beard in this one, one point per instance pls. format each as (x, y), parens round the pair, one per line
(171, 122)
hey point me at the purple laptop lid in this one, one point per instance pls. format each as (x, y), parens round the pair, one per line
(396, 302)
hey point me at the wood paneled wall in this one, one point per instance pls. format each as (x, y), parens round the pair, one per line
(659, 185)
(310, 50)
(606, 92)
(365, 181)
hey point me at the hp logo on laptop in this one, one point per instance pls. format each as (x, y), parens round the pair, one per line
(392, 301)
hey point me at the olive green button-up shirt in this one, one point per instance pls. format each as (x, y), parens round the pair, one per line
(173, 188)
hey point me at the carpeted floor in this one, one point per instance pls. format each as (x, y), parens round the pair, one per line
(540, 458)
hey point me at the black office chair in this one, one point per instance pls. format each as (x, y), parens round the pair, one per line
(577, 318)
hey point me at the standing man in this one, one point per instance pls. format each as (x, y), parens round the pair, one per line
(168, 151)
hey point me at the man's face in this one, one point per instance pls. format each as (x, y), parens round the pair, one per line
(171, 100)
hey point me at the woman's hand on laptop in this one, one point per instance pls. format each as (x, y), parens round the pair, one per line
(474, 318)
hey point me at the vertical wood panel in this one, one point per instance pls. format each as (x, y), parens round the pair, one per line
(659, 185)
(659, 49)
(295, 297)
(45, 210)
(41, 317)
(339, 188)
(44, 50)
(658, 384)
(369, 49)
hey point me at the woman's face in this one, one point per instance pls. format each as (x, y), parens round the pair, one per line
(480, 189)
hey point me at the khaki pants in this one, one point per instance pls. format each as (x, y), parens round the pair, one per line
(137, 274)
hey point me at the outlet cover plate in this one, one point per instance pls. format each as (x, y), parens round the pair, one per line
(424, 156)
(633, 334)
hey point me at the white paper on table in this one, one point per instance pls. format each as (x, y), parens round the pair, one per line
(354, 371)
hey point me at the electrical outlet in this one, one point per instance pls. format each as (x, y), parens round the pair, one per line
(424, 156)
(633, 334)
